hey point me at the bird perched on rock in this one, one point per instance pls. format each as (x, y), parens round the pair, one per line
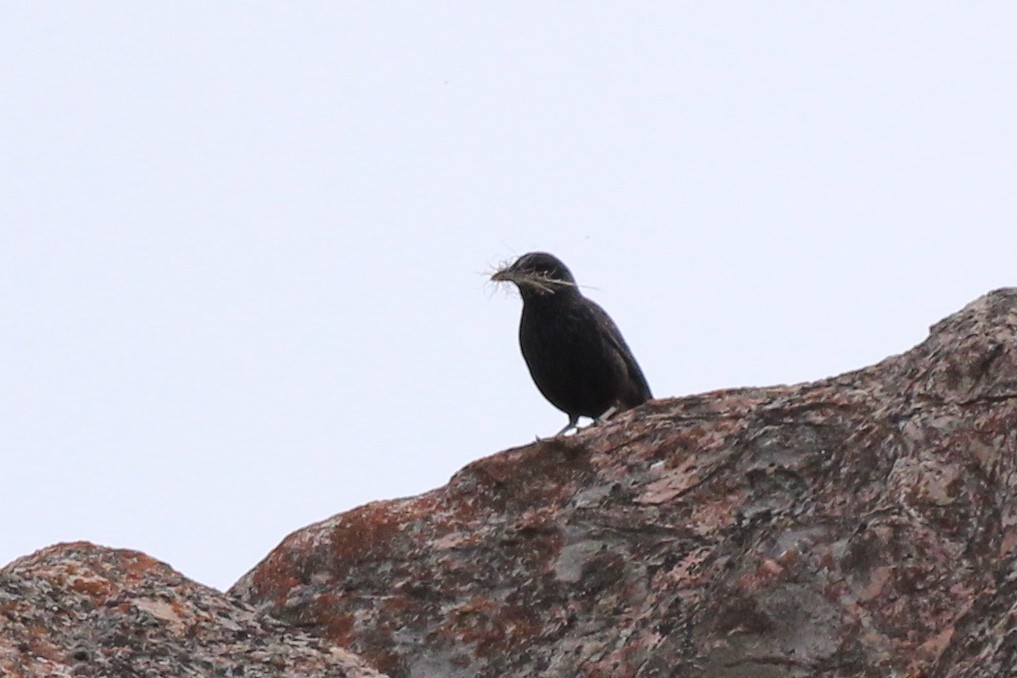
(576, 355)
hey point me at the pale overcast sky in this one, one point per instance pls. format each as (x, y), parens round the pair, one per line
(243, 246)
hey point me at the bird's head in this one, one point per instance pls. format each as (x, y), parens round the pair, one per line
(536, 274)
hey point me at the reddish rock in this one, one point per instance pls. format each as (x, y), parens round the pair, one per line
(83, 610)
(863, 525)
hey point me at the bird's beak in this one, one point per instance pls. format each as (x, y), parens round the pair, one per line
(507, 274)
(526, 280)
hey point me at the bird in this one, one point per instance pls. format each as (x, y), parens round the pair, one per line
(574, 351)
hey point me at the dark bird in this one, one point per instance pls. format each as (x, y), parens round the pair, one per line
(576, 355)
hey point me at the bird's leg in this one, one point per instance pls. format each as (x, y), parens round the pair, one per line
(608, 413)
(573, 423)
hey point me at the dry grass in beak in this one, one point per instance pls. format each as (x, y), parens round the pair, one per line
(536, 280)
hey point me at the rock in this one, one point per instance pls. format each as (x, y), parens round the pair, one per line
(83, 610)
(863, 525)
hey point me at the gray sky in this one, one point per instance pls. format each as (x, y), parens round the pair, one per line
(242, 245)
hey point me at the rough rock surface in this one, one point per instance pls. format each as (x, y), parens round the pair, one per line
(83, 610)
(863, 525)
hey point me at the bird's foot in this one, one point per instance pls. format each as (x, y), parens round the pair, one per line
(608, 413)
(573, 424)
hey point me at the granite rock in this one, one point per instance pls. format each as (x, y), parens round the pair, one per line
(862, 525)
(83, 610)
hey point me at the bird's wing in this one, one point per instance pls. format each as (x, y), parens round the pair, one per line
(621, 350)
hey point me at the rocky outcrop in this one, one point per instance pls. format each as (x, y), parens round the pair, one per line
(83, 610)
(863, 525)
